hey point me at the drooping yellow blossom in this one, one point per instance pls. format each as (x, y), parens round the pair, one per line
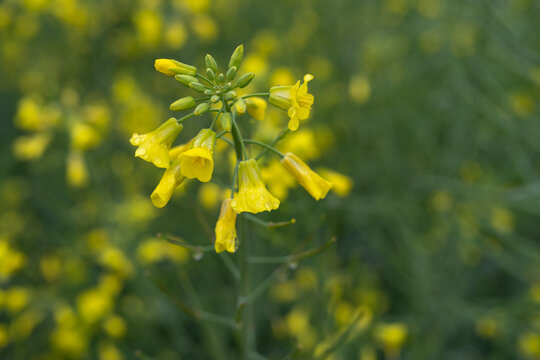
(256, 107)
(226, 238)
(295, 99)
(315, 185)
(171, 178)
(252, 196)
(154, 146)
(341, 184)
(198, 161)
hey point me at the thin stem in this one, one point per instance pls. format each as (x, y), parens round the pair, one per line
(203, 99)
(200, 76)
(244, 290)
(267, 147)
(255, 94)
(220, 134)
(217, 117)
(175, 240)
(239, 146)
(228, 141)
(185, 117)
(273, 143)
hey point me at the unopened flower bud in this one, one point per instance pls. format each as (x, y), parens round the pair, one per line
(230, 95)
(227, 86)
(197, 86)
(231, 73)
(220, 78)
(185, 79)
(209, 92)
(237, 56)
(183, 104)
(245, 79)
(211, 63)
(211, 74)
(201, 109)
(226, 121)
(214, 99)
(171, 67)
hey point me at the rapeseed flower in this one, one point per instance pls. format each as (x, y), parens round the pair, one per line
(170, 179)
(295, 99)
(226, 238)
(315, 185)
(154, 146)
(198, 161)
(252, 195)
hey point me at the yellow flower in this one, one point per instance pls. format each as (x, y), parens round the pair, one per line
(170, 179)
(256, 107)
(252, 196)
(226, 238)
(295, 99)
(315, 185)
(171, 67)
(154, 146)
(198, 161)
(391, 336)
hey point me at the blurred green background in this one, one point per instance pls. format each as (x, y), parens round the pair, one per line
(428, 108)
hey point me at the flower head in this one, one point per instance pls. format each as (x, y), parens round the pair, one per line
(226, 238)
(295, 99)
(315, 185)
(252, 196)
(170, 179)
(198, 161)
(154, 146)
(172, 67)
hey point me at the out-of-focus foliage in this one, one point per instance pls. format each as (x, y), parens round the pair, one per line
(429, 107)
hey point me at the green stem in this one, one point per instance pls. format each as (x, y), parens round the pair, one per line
(185, 117)
(203, 99)
(266, 146)
(273, 143)
(200, 76)
(239, 146)
(217, 116)
(220, 134)
(244, 291)
(255, 94)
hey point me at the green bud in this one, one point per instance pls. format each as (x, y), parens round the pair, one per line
(211, 63)
(228, 86)
(226, 121)
(240, 105)
(201, 109)
(211, 74)
(231, 73)
(183, 104)
(237, 56)
(220, 78)
(197, 86)
(245, 79)
(230, 95)
(183, 69)
(185, 79)
(209, 92)
(214, 99)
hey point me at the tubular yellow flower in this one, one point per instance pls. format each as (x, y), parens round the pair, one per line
(226, 238)
(154, 146)
(315, 185)
(295, 99)
(171, 67)
(252, 196)
(171, 178)
(256, 107)
(198, 161)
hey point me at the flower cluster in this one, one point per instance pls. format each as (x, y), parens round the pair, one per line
(195, 158)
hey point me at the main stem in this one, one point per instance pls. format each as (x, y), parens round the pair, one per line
(243, 288)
